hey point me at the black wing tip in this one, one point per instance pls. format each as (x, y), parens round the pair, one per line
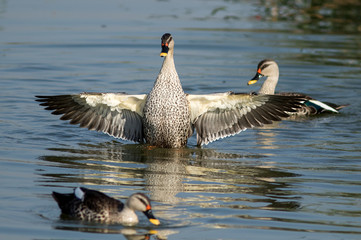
(289, 101)
(42, 98)
(39, 98)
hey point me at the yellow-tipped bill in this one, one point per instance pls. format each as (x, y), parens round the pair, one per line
(253, 81)
(256, 77)
(150, 215)
(165, 50)
(154, 221)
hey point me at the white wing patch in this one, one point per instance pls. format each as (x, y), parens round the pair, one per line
(323, 105)
(200, 104)
(79, 193)
(116, 101)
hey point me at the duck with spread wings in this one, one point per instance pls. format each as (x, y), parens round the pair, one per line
(167, 117)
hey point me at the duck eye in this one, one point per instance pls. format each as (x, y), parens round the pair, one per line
(143, 201)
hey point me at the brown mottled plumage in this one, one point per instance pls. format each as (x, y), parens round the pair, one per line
(94, 206)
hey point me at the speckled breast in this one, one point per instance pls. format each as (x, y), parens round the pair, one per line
(167, 117)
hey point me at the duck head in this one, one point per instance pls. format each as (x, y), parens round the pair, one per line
(167, 44)
(266, 67)
(140, 202)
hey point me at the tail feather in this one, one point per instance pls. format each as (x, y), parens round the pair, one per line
(63, 201)
(335, 106)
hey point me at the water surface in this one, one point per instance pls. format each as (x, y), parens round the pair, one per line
(292, 180)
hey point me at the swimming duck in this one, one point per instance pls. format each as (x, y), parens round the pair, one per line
(94, 206)
(166, 117)
(269, 69)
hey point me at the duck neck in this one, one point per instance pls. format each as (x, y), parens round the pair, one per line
(269, 85)
(168, 73)
(128, 215)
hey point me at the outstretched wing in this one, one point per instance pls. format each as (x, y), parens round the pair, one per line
(117, 114)
(220, 115)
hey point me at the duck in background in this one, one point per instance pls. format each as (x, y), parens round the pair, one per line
(269, 68)
(94, 206)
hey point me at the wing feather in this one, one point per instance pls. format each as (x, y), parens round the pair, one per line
(117, 114)
(98, 202)
(224, 114)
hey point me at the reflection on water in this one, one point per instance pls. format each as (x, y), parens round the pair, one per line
(324, 16)
(220, 180)
(128, 233)
(302, 179)
(188, 184)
